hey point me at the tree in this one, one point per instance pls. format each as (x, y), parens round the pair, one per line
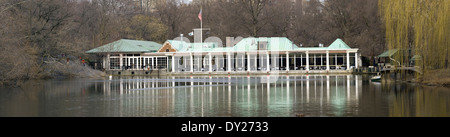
(357, 22)
(281, 14)
(144, 27)
(421, 26)
(172, 13)
(252, 16)
(30, 32)
(308, 26)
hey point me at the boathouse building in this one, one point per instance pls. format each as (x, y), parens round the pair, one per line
(250, 55)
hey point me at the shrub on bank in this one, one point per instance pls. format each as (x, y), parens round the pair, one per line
(437, 77)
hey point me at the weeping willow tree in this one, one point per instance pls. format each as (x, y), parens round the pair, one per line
(420, 28)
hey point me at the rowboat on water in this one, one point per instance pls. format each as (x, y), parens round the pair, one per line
(376, 78)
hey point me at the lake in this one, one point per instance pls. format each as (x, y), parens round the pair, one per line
(224, 96)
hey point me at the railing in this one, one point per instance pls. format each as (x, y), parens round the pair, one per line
(371, 69)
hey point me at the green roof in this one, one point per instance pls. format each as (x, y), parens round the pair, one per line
(246, 44)
(182, 46)
(338, 44)
(416, 57)
(251, 44)
(273, 44)
(127, 46)
(388, 53)
(179, 45)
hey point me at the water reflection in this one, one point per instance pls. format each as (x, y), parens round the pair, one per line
(314, 95)
(311, 95)
(414, 101)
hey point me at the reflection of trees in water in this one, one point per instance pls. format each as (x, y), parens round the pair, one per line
(312, 95)
(432, 101)
(44, 97)
(23, 101)
(418, 101)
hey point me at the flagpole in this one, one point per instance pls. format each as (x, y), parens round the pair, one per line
(201, 29)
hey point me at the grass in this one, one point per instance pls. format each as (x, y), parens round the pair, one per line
(437, 77)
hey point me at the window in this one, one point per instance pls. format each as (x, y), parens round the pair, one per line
(262, 45)
(181, 61)
(162, 62)
(125, 61)
(167, 50)
(114, 63)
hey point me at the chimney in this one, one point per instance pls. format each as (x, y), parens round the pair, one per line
(229, 41)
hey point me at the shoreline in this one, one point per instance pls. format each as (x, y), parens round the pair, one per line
(439, 77)
(442, 82)
(222, 73)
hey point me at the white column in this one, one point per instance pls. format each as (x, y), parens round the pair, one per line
(184, 62)
(321, 60)
(243, 61)
(287, 61)
(335, 60)
(167, 63)
(268, 66)
(307, 61)
(153, 63)
(120, 61)
(295, 61)
(328, 60)
(108, 61)
(229, 61)
(104, 62)
(198, 62)
(191, 62)
(173, 63)
(348, 61)
(314, 60)
(210, 62)
(219, 63)
(301, 59)
(356, 59)
(256, 63)
(248, 61)
(136, 64)
(139, 62)
(144, 60)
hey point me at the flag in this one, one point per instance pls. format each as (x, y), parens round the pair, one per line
(191, 34)
(200, 15)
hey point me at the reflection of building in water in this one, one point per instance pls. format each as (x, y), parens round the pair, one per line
(238, 96)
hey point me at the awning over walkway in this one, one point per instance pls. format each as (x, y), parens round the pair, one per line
(388, 53)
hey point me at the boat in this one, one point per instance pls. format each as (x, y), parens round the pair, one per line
(376, 78)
